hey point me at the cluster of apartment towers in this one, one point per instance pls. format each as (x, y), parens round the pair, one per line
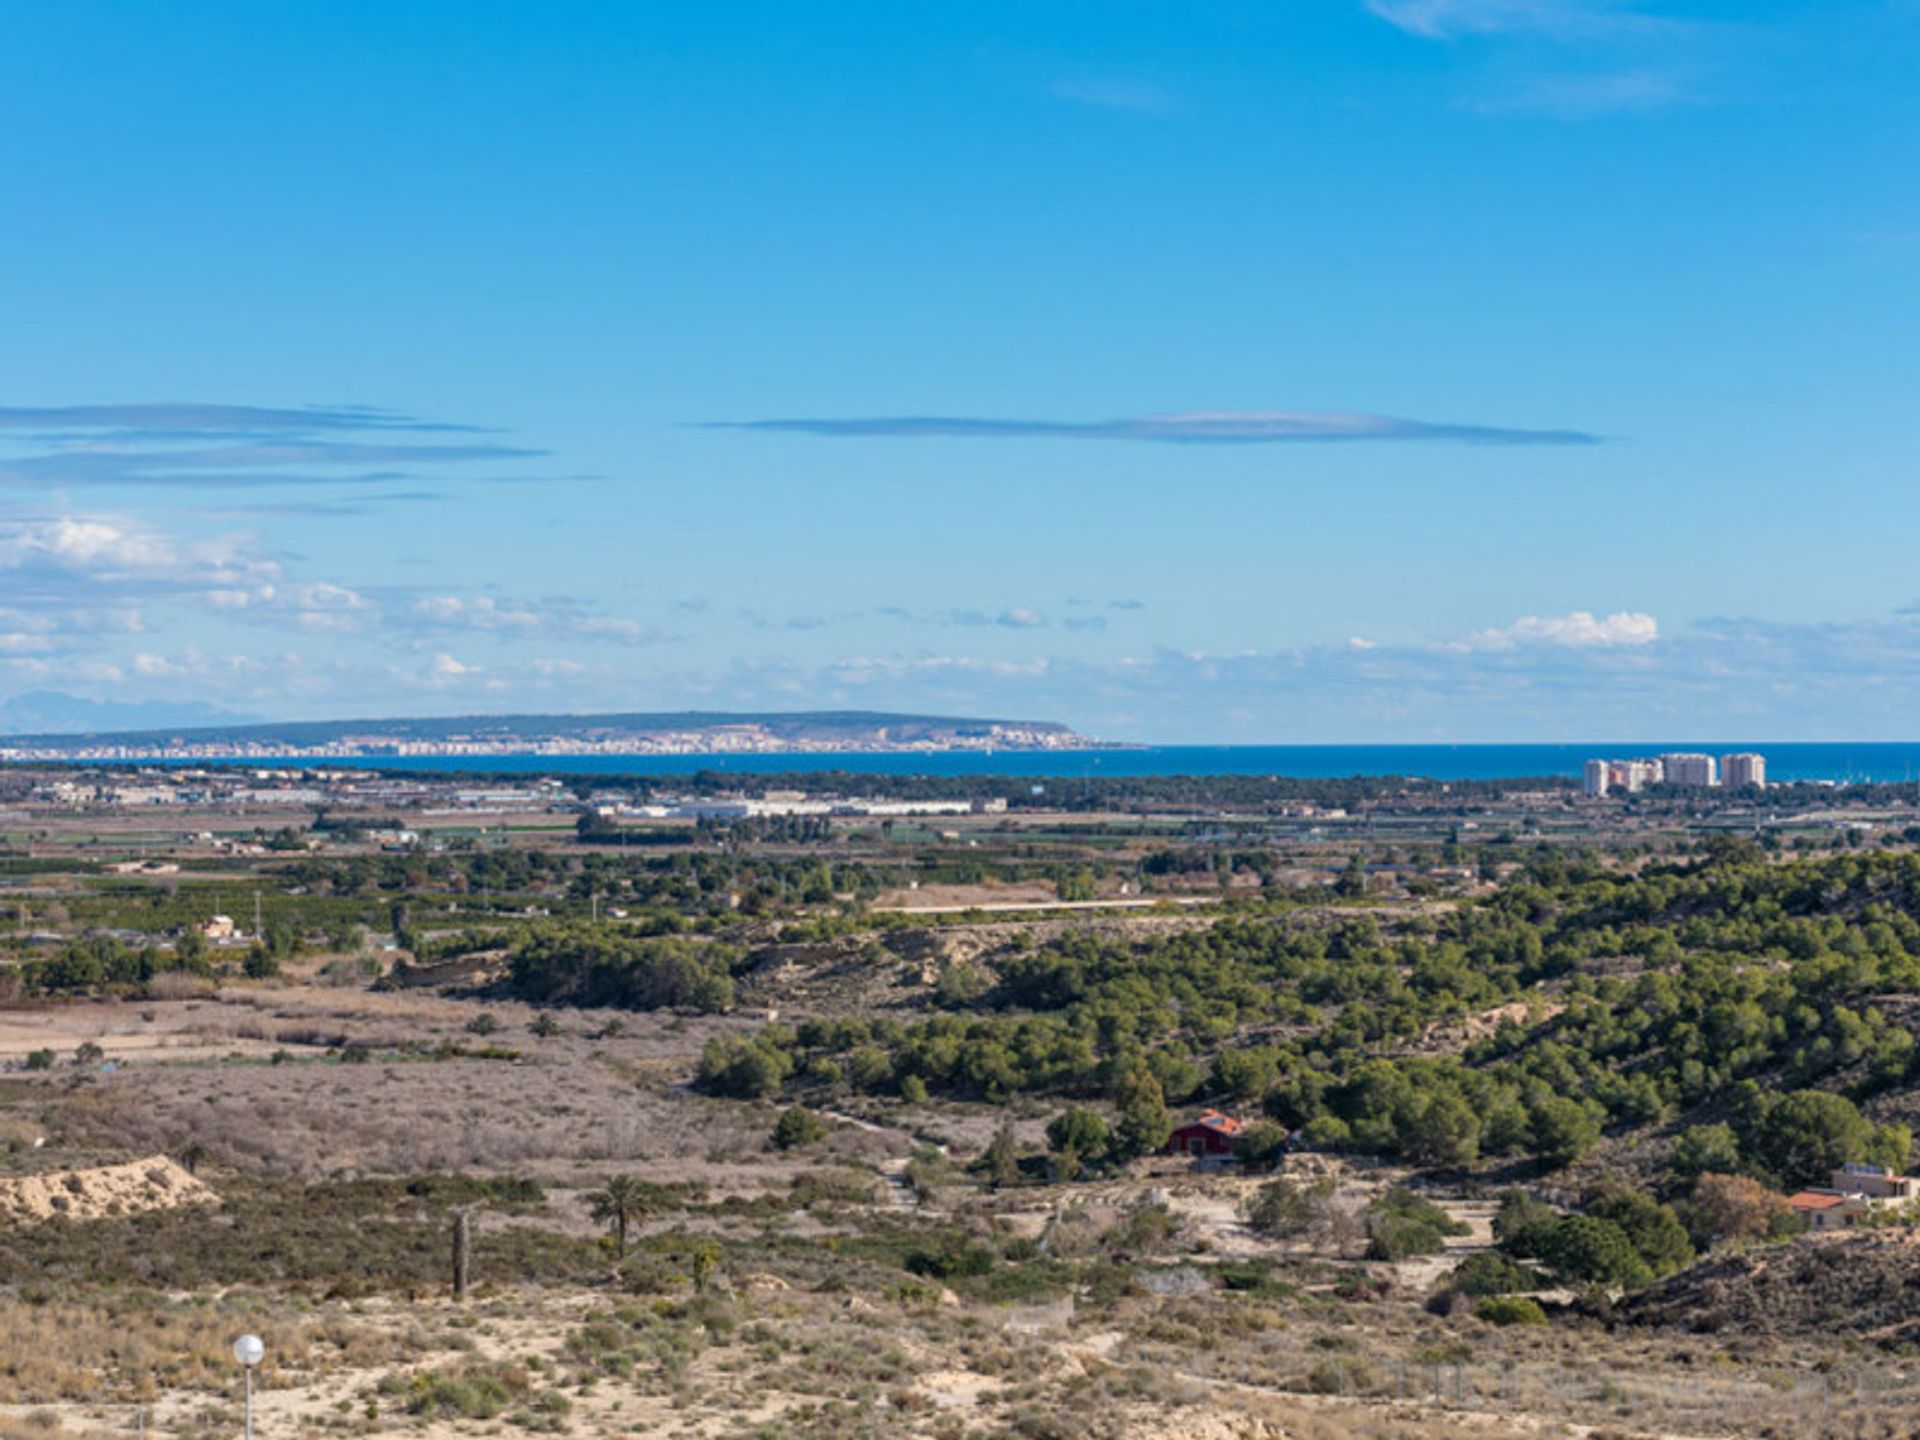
(1730, 772)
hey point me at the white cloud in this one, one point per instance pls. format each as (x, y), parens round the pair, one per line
(1580, 630)
(444, 669)
(554, 617)
(481, 612)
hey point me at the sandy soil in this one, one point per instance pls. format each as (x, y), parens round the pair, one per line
(155, 1183)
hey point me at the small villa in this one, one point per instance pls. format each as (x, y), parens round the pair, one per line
(1856, 1189)
(1208, 1138)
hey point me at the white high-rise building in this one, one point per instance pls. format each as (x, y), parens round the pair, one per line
(1632, 776)
(1687, 768)
(1740, 770)
(1593, 780)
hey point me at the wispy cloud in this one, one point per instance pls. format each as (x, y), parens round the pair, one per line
(1568, 59)
(1138, 96)
(1562, 19)
(1584, 97)
(227, 447)
(551, 617)
(177, 417)
(1205, 427)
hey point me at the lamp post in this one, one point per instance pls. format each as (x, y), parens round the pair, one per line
(249, 1352)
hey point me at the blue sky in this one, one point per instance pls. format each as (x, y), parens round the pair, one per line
(1295, 370)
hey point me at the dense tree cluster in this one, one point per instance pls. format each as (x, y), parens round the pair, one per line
(598, 965)
(1649, 996)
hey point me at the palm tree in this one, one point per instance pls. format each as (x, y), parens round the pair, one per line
(621, 1202)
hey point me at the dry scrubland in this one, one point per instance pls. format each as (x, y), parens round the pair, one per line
(764, 1293)
(203, 1154)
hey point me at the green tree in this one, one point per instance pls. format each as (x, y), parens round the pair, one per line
(742, 1069)
(1144, 1123)
(1703, 1149)
(618, 1203)
(1655, 1232)
(1560, 1132)
(1584, 1249)
(1078, 1137)
(1440, 1129)
(1261, 1145)
(1804, 1136)
(1521, 1224)
(1002, 1159)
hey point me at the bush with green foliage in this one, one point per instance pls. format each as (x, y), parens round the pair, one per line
(797, 1128)
(1510, 1310)
(742, 1069)
(1488, 1272)
(1653, 1229)
(1079, 1139)
(1400, 1225)
(1584, 1249)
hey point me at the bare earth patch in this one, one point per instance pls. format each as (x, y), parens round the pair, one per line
(155, 1183)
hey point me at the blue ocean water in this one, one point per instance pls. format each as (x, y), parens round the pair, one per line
(1882, 762)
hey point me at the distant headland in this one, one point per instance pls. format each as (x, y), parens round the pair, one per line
(690, 732)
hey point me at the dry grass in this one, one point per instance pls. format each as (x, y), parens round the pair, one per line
(136, 1347)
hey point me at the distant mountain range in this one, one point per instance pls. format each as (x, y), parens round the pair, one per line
(687, 732)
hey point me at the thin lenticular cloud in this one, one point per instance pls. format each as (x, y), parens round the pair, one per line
(178, 417)
(231, 447)
(1203, 427)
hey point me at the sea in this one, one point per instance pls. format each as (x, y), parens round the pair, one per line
(1890, 762)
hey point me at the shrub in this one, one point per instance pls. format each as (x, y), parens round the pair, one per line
(1079, 1136)
(955, 1259)
(742, 1069)
(1400, 1224)
(1261, 1145)
(1704, 1148)
(798, 1127)
(1736, 1207)
(1522, 1223)
(1488, 1272)
(1326, 1132)
(1511, 1310)
(1284, 1208)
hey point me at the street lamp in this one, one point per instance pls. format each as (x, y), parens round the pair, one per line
(249, 1352)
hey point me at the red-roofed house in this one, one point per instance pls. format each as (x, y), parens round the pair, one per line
(1826, 1209)
(1209, 1137)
